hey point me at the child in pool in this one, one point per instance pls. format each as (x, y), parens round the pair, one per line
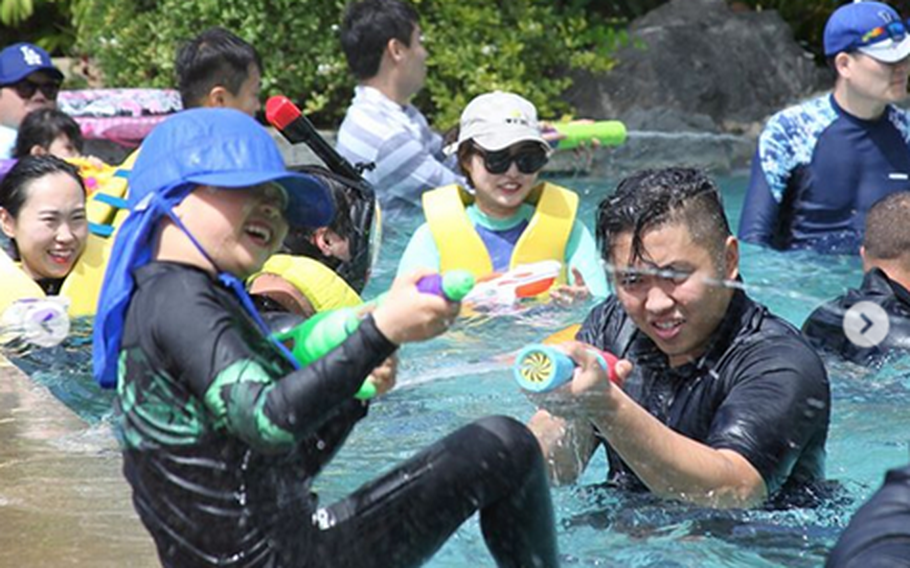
(49, 131)
(222, 436)
(506, 219)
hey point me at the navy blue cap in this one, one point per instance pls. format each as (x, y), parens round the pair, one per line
(20, 60)
(224, 148)
(849, 23)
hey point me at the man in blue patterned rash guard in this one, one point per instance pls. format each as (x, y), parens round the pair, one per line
(722, 403)
(223, 432)
(821, 165)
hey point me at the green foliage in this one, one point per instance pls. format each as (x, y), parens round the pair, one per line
(47, 23)
(524, 46)
(475, 46)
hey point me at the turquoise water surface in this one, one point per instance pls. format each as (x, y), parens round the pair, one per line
(455, 379)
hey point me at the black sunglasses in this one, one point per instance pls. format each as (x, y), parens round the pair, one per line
(26, 89)
(529, 159)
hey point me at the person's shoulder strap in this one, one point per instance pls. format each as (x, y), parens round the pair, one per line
(548, 232)
(460, 247)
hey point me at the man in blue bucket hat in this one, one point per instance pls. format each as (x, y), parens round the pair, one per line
(28, 81)
(223, 433)
(821, 165)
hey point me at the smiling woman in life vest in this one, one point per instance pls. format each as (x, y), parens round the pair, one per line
(42, 211)
(509, 219)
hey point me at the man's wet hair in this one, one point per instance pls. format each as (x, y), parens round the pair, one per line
(888, 227)
(216, 57)
(652, 198)
(368, 26)
(41, 127)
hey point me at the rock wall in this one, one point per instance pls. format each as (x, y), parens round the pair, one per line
(699, 66)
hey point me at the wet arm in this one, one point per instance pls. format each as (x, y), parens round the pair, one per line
(673, 465)
(567, 445)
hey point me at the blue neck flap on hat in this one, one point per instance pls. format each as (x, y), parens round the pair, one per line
(133, 249)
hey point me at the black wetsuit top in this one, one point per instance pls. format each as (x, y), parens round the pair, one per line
(759, 390)
(824, 326)
(222, 439)
(879, 533)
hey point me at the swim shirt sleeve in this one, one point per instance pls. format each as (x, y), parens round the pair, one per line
(244, 384)
(581, 253)
(421, 252)
(760, 212)
(778, 404)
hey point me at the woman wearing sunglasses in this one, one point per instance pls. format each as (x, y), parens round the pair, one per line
(506, 219)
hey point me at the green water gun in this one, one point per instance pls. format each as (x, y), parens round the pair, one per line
(608, 132)
(327, 330)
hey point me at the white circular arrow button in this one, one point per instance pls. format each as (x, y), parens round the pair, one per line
(866, 324)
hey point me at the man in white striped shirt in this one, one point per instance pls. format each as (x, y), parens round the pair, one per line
(382, 42)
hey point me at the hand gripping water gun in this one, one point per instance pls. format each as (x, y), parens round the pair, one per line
(542, 368)
(607, 132)
(40, 321)
(327, 330)
(524, 281)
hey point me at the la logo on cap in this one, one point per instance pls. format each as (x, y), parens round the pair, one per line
(30, 56)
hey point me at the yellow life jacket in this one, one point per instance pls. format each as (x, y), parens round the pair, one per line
(15, 284)
(105, 209)
(82, 286)
(460, 246)
(321, 286)
(108, 194)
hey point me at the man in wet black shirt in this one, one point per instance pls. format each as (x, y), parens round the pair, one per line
(879, 533)
(722, 403)
(886, 264)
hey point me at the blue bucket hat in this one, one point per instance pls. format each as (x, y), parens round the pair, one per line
(222, 148)
(20, 60)
(871, 28)
(225, 148)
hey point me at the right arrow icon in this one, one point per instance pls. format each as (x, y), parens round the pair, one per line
(866, 324)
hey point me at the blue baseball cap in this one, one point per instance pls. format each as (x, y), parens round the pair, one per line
(20, 60)
(848, 25)
(224, 148)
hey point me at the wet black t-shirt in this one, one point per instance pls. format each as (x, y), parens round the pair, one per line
(759, 390)
(825, 326)
(879, 533)
(221, 438)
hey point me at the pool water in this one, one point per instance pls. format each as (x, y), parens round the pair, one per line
(452, 380)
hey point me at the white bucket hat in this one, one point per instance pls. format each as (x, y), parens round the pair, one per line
(497, 120)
